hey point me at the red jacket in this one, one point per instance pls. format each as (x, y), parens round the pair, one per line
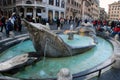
(116, 29)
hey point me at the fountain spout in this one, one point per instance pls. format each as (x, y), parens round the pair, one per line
(70, 34)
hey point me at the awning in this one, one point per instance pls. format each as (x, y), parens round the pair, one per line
(29, 13)
(39, 14)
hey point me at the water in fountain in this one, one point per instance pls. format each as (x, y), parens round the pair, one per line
(22, 41)
(76, 64)
(16, 50)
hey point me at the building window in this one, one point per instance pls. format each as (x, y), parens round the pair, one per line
(56, 14)
(72, 2)
(29, 11)
(44, 11)
(51, 2)
(75, 4)
(38, 10)
(57, 2)
(50, 16)
(71, 9)
(68, 1)
(67, 9)
(39, 0)
(4, 2)
(28, 2)
(21, 12)
(9, 2)
(14, 1)
(62, 14)
(63, 4)
(21, 9)
(0, 3)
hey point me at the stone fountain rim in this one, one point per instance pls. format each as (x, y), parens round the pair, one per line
(26, 37)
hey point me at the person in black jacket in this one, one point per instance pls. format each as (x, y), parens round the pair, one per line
(58, 22)
(113, 24)
(3, 23)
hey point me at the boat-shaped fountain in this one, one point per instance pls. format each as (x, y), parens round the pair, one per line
(56, 43)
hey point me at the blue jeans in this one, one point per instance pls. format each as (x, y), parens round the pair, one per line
(114, 33)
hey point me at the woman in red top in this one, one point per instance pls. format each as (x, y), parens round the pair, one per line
(116, 30)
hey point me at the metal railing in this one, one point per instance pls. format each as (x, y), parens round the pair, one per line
(99, 70)
(96, 70)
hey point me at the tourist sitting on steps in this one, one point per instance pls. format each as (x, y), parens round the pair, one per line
(116, 30)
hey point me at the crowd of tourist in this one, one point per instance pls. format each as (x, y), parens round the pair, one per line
(113, 27)
(11, 24)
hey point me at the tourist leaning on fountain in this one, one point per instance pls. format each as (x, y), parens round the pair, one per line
(58, 23)
(10, 28)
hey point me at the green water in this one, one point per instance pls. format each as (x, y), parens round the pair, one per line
(49, 67)
(21, 48)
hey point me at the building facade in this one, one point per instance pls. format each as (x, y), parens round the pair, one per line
(52, 9)
(114, 11)
(87, 9)
(7, 7)
(73, 9)
(47, 9)
(95, 10)
(103, 14)
(84, 9)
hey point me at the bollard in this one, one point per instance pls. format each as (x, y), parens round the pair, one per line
(58, 28)
(64, 74)
(116, 37)
(47, 25)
